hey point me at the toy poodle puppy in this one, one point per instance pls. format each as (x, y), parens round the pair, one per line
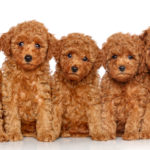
(26, 81)
(75, 91)
(3, 136)
(122, 95)
(145, 37)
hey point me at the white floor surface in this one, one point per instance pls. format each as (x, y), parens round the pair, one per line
(76, 144)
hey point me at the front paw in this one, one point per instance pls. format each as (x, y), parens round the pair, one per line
(15, 136)
(131, 136)
(145, 135)
(104, 137)
(45, 136)
(3, 137)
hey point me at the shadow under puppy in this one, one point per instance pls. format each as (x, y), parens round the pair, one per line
(75, 90)
(26, 81)
(123, 97)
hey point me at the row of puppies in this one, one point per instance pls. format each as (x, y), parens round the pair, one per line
(73, 103)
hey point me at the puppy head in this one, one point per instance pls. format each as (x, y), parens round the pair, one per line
(145, 37)
(77, 55)
(123, 56)
(29, 44)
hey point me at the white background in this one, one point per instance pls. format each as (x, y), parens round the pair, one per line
(98, 18)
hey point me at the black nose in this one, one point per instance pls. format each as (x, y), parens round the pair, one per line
(74, 69)
(28, 58)
(122, 68)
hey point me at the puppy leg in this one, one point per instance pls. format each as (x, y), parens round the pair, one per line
(57, 107)
(57, 119)
(49, 130)
(101, 122)
(43, 124)
(12, 122)
(132, 127)
(11, 116)
(94, 122)
(3, 136)
(45, 132)
(145, 131)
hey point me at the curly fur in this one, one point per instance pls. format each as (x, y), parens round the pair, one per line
(3, 136)
(26, 85)
(123, 97)
(75, 96)
(145, 38)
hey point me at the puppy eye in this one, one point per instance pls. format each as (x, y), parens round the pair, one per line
(37, 45)
(130, 57)
(69, 55)
(21, 44)
(114, 56)
(85, 59)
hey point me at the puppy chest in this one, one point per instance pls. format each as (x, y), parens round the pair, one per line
(74, 118)
(27, 101)
(119, 108)
(123, 102)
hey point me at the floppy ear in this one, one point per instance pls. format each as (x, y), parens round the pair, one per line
(141, 49)
(52, 41)
(5, 42)
(143, 36)
(57, 51)
(104, 55)
(145, 52)
(99, 60)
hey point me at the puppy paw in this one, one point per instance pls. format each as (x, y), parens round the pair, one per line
(131, 136)
(145, 135)
(104, 137)
(45, 137)
(3, 137)
(15, 136)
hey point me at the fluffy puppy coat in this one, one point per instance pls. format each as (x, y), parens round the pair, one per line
(75, 91)
(145, 37)
(123, 97)
(26, 81)
(3, 136)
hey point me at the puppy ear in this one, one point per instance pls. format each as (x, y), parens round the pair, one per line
(104, 55)
(5, 42)
(51, 45)
(143, 36)
(141, 49)
(99, 60)
(57, 51)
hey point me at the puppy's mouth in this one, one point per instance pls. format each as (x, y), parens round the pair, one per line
(28, 65)
(73, 76)
(73, 73)
(123, 74)
(123, 77)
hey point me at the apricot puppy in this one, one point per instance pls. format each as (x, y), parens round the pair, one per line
(26, 81)
(123, 97)
(75, 91)
(145, 37)
(3, 136)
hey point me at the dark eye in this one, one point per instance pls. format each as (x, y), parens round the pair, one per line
(85, 59)
(130, 57)
(69, 55)
(21, 44)
(114, 56)
(37, 45)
